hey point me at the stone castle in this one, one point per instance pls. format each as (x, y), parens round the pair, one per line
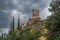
(35, 16)
(35, 20)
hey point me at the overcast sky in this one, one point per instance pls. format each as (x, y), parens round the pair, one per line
(9, 8)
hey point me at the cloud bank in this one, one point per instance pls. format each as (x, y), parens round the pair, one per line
(9, 8)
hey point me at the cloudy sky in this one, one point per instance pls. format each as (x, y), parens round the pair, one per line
(9, 8)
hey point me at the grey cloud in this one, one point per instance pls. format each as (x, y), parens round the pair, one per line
(4, 30)
(24, 6)
(4, 19)
(27, 8)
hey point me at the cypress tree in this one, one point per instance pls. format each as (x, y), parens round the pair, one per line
(13, 24)
(11, 27)
(18, 22)
(2, 36)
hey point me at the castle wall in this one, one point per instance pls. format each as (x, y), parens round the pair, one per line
(35, 20)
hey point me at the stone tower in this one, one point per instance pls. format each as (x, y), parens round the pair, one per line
(35, 20)
(35, 16)
(35, 13)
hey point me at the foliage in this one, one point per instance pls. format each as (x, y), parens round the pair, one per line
(22, 34)
(53, 21)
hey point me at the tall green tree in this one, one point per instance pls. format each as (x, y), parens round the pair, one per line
(13, 23)
(1, 37)
(18, 22)
(53, 21)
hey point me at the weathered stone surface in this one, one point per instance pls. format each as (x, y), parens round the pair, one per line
(35, 20)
